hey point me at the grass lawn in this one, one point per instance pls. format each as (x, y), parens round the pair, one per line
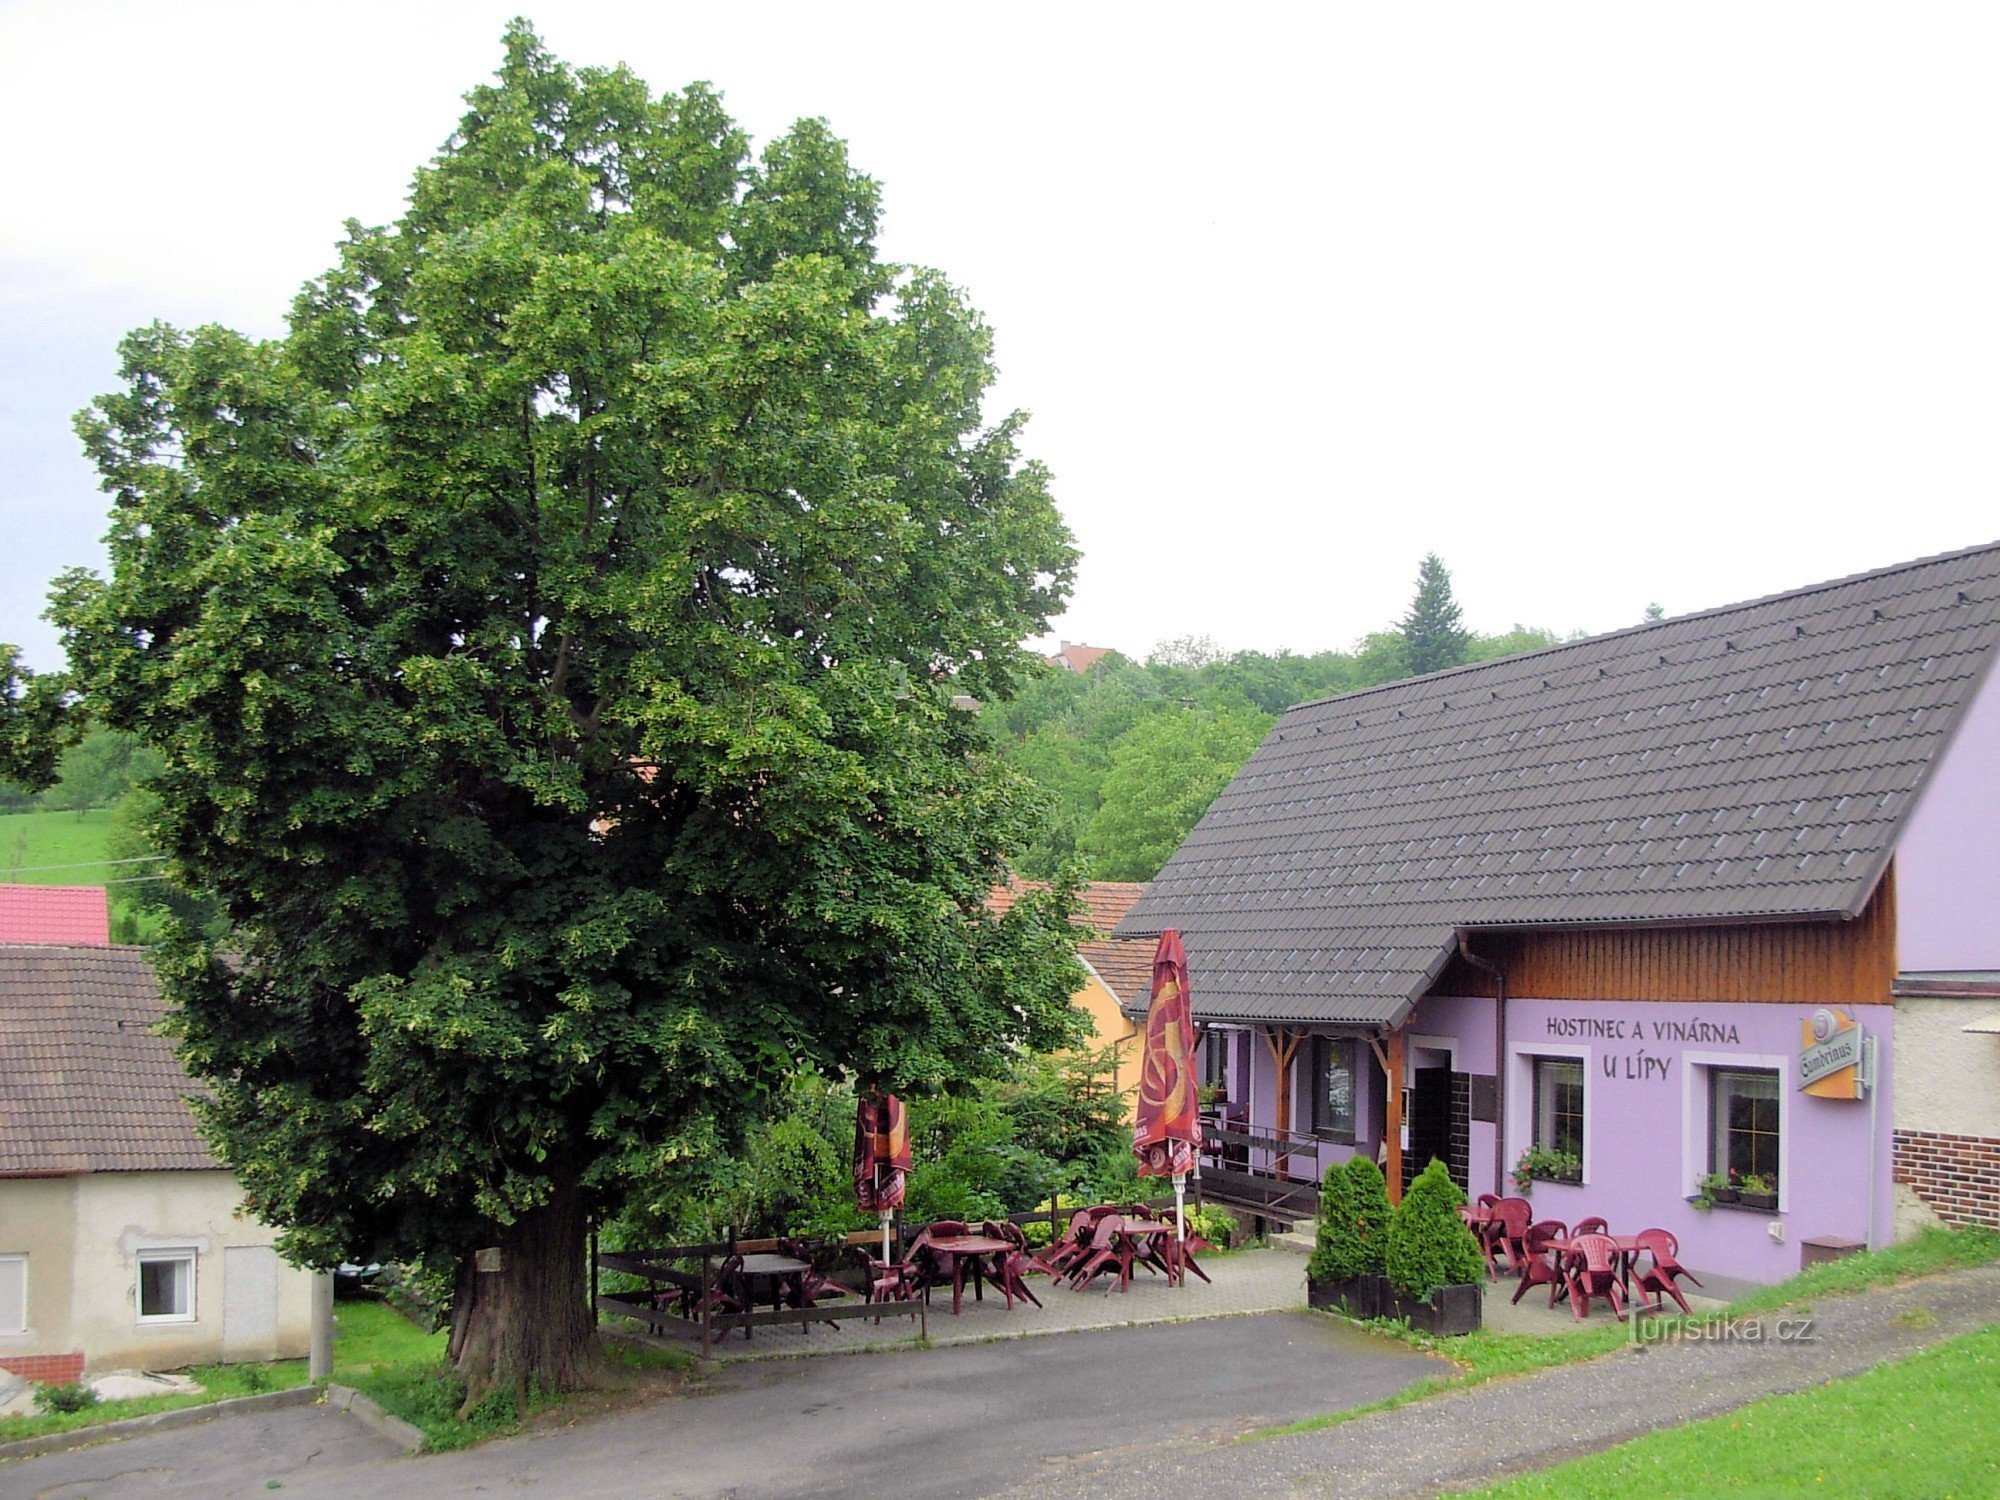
(1922, 1426)
(383, 1354)
(1486, 1355)
(219, 1383)
(30, 842)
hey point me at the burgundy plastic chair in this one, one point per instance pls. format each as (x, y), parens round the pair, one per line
(1591, 1226)
(1509, 1232)
(1593, 1272)
(1056, 1257)
(1539, 1267)
(1487, 1200)
(1659, 1276)
(1109, 1250)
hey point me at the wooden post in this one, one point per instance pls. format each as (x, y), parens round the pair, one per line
(1392, 1127)
(707, 1305)
(1284, 1046)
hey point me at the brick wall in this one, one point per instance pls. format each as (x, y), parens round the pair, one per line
(1956, 1176)
(45, 1369)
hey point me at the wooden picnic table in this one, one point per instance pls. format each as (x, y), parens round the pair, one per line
(956, 1249)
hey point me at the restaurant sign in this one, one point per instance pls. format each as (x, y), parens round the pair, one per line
(1830, 1055)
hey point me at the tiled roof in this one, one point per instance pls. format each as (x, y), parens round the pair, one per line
(1078, 657)
(85, 1084)
(1751, 762)
(1124, 964)
(55, 914)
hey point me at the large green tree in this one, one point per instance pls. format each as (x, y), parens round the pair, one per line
(1165, 770)
(550, 643)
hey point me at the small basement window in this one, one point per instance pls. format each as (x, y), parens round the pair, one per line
(166, 1286)
(13, 1294)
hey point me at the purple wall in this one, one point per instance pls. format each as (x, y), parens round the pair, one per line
(1948, 860)
(1646, 1123)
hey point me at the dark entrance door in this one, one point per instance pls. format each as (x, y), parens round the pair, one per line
(1430, 1120)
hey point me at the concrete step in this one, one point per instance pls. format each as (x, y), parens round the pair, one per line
(1301, 1239)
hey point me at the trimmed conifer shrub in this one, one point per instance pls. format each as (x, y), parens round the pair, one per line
(1369, 1191)
(1428, 1245)
(1353, 1222)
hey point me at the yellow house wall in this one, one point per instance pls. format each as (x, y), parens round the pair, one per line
(83, 1236)
(1111, 1029)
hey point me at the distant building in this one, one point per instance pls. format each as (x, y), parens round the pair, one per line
(1120, 969)
(122, 1240)
(74, 914)
(1079, 658)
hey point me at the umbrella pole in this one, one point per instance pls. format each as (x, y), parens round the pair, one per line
(885, 1238)
(1180, 1224)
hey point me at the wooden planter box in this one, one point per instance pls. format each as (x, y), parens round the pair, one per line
(1757, 1200)
(1451, 1310)
(1362, 1297)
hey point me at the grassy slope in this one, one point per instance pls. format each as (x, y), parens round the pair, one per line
(1486, 1355)
(1923, 1426)
(30, 841)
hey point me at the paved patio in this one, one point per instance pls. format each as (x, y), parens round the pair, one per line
(1248, 1281)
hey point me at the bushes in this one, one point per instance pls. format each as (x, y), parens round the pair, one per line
(1354, 1220)
(1428, 1245)
(65, 1398)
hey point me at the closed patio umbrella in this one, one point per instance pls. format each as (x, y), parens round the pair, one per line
(1168, 1125)
(881, 1158)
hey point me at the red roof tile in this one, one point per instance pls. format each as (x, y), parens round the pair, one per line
(1124, 964)
(55, 914)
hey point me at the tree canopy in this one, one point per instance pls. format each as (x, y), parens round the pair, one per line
(549, 645)
(1128, 755)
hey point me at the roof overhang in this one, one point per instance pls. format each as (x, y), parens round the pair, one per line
(1959, 984)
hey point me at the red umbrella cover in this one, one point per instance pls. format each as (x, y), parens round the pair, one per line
(881, 1153)
(1168, 1125)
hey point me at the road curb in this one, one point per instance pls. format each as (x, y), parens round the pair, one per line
(159, 1421)
(369, 1413)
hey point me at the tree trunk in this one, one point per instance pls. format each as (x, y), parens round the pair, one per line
(528, 1317)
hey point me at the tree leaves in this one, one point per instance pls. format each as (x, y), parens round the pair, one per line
(550, 643)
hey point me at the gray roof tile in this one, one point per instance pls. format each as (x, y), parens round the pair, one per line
(87, 1084)
(1750, 762)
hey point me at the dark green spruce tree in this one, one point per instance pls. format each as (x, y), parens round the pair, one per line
(549, 644)
(1433, 635)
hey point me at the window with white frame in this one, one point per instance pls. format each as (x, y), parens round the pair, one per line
(1743, 1131)
(166, 1286)
(13, 1294)
(1558, 1109)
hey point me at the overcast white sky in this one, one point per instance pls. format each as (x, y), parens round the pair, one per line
(1603, 303)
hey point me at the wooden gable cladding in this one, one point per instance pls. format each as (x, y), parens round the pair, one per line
(1778, 963)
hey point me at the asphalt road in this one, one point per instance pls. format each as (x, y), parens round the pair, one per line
(959, 1421)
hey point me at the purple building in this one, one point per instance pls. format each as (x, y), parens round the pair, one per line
(1695, 925)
